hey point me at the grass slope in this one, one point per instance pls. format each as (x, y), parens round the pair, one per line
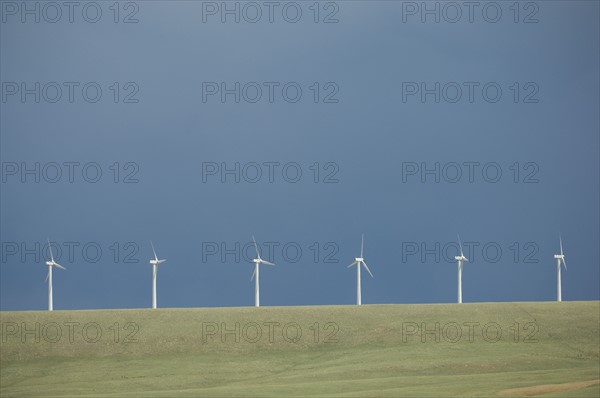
(368, 351)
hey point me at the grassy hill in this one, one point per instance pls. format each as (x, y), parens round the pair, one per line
(485, 349)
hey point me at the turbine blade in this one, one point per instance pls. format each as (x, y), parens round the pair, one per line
(561, 249)
(351, 264)
(564, 263)
(50, 247)
(162, 261)
(362, 244)
(460, 245)
(47, 275)
(265, 262)
(465, 259)
(368, 270)
(59, 266)
(154, 251)
(256, 246)
(253, 274)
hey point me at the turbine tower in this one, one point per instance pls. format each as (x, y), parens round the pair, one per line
(460, 260)
(154, 262)
(360, 261)
(559, 258)
(257, 261)
(50, 265)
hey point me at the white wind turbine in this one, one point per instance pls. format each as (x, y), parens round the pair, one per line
(360, 261)
(257, 261)
(50, 265)
(559, 258)
(460, 260)
(154, 262)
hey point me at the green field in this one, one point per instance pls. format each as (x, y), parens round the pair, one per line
(487, 349)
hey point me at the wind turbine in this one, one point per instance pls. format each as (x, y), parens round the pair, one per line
(360, 261)
(51, 264)
(460, 260)
(559, 258)
(257, 261)
(154, 262)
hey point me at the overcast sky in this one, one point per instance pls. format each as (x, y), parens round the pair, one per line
(305, 134)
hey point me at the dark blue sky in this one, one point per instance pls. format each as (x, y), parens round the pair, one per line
(366, 131)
